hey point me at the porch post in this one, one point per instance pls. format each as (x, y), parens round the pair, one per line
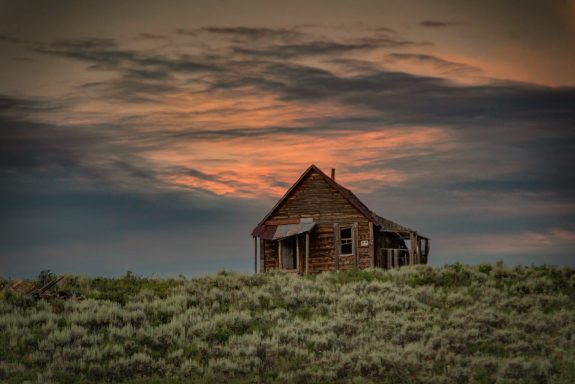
(297, 252)
(307, 252)
(280, 254)
(262, 255)
(255, 254)
(372, 252)
(412, 245)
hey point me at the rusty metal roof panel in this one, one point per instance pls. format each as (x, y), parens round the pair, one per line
(288, 230)
(265, 232)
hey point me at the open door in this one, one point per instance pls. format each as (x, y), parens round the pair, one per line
(288, 253)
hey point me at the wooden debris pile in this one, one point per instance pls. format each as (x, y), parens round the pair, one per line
(22, 287)
(46, 291)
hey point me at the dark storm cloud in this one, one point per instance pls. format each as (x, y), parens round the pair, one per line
(84, 154)
(142, 77)
(412, 99)
(318, 47)
(400, 98)
(200, 175)
(255, 33)
(147, 74)
(525, 127)
(295, 43)
(8, 103)
(105, 54)
(86, 44)
(132, 88)
(446, 66)
(12, 39)
(18, 106)
(152, 36)
(385, 30)
(437, 24)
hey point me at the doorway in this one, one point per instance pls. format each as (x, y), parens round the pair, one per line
(288, 252)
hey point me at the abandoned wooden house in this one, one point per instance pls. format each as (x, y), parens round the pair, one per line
(319, 225)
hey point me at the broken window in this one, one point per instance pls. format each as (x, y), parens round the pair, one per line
(346, 241)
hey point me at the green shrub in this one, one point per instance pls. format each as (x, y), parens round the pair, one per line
(458, 323)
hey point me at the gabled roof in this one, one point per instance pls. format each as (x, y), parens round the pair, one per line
(385, 224)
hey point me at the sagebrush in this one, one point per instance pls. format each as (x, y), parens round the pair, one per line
(455, 324)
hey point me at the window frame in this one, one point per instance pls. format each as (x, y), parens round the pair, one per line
(351, 239)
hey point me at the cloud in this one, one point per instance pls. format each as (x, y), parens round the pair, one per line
(236, 119)
(325, 47)
(437, 24)
(80, 155)
(259, 99)
(385, 30)
(7, 38)
(22, 58)
(105, 54)
(141, 76)
(255, 33)
(445, 66)
(152, 36)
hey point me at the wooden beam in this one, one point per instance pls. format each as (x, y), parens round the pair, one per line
(307, 252)
(255, 254)
(412, 245)
(297, 253)
(280, 254)
(355, 243)
(336, 245)
(262, 255)
(371, 246)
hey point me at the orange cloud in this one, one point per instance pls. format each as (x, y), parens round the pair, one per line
(255, 166)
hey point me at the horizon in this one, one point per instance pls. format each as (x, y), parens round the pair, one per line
(153, 138)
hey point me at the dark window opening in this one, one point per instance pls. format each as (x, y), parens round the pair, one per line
(346, 240)
(403, 259)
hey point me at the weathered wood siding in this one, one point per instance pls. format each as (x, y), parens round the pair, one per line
(270, 255)
(315, 198)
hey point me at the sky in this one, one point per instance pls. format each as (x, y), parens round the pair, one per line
(153, 136)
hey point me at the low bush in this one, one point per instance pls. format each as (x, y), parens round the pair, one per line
(455, 324)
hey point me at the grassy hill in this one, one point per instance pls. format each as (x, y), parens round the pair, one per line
(455, 324)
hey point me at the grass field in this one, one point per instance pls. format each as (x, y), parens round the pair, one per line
(455, 324)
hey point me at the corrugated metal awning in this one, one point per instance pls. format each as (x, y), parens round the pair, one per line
(287, 230)
(276, 232)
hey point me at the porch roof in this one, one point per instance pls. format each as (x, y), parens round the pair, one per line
(277, 232)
